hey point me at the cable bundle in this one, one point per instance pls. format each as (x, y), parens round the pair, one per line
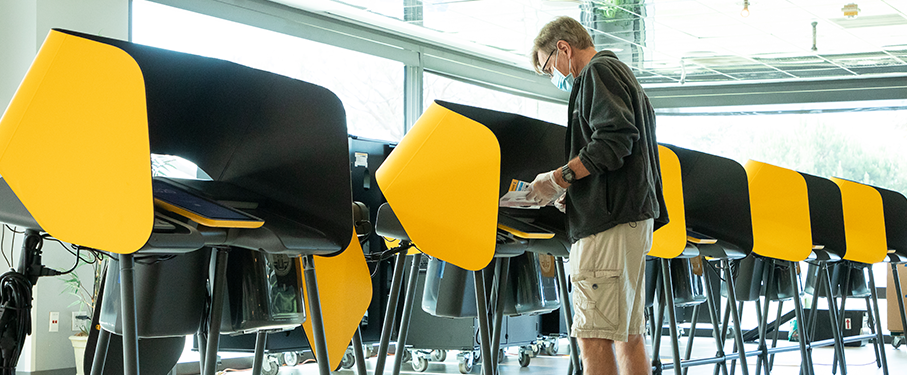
(15, 318)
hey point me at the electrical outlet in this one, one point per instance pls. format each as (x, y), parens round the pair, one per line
(79, 319)
(55, 321)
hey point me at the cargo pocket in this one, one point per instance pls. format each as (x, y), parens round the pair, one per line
(599, 296)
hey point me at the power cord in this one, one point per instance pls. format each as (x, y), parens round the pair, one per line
(378, 257)
(15, 318)
(15, 300)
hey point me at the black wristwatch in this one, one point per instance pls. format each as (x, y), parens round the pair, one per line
(568, 174)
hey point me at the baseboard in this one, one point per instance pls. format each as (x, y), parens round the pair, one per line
(59, 371)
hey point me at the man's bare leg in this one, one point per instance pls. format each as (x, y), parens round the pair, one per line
(632, 356)
(598, 356)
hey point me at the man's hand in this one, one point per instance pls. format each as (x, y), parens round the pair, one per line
(545, 189)
(561, 203)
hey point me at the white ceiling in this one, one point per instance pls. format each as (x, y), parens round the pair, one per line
(671, 41)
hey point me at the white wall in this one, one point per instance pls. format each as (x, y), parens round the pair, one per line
(23, 26)
(25, 23)
(17, 44)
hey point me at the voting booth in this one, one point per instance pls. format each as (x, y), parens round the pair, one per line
(502, 148)
(275, 149)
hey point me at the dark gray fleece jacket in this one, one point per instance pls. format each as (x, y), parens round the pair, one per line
(612, 130)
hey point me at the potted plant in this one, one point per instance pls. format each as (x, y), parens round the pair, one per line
(85, 293)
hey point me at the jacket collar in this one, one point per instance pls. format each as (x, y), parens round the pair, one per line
(605, 53)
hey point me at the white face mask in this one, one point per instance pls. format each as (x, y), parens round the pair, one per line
(563, 83)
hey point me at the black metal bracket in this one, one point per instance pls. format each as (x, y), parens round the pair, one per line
(657, 367)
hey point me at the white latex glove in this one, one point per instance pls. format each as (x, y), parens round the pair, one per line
(561, 203)
(544, 189)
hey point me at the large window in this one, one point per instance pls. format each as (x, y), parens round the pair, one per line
(863, 146)
(371, 88)
(443, 88)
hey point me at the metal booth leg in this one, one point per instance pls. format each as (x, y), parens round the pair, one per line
(806, 364)
(876, 346)
(833, 316)
(358, 352)
(390, 313)
(217, 310)
(311, 285)
(900, 293)
(202, 345)
(810, 324)
(482, 312)
(878, 320)
(736, 348)
(762, 359)
(735, 314)
(658, 327)
(840, 325)
(100, 352)
(725, 325)
(407, 314)
(130, 330)
(502, 277)
(713, 317)
(771, 358)
(672, 323)
(689, 351)
(567, 312)
(261, 340)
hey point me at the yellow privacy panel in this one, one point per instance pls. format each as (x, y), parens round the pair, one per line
(345, 291)
(864, 222)
(670, 240)
(442, 182)
(780, 210)
(74, 145)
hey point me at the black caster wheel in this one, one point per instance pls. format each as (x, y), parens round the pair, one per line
(419, 363)
(348, 360)
(552, 347)
(897, 341)
(438, 355)
(465, 362)
(290, 358)
(525, 357)
(270, 366)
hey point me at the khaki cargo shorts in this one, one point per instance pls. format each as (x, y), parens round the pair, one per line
(607, 271)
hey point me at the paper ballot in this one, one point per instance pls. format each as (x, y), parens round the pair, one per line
(517, 196)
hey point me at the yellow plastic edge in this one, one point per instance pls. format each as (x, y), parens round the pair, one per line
(345, 291)
(208, 222)
(521, 234)
(74, 145)
(701, 241)
(442, 183)
(864, 222)
(670, 240)
(779, 204)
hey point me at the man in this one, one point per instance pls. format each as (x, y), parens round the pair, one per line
(610, 190)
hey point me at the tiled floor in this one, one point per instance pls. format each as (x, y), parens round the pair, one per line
(860, 360)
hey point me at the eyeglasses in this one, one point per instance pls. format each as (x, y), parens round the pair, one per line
(545, 71)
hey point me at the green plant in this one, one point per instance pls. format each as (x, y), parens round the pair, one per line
(86, 294)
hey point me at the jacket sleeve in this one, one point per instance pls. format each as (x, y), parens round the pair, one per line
(606, 107)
